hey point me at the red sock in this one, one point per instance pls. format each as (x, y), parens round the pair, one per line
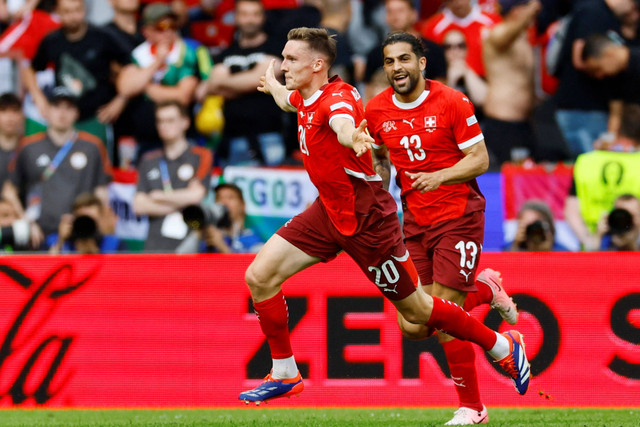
(450, 318)
(484, 295)
(273, 315)
(461, 359)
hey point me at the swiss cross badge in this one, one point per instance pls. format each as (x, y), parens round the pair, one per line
(389, 125)
(430, 122)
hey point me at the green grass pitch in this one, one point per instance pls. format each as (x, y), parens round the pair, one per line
(313, 417)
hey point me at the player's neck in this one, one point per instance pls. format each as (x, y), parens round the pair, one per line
(173, 149)
(315, 85)
(413, 95)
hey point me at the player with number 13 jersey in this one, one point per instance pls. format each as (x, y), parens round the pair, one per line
(428, 135)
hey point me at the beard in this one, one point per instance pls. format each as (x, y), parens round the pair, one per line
(407, 86)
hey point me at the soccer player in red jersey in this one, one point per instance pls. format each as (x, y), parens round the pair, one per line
(430, 133)
(353, 213)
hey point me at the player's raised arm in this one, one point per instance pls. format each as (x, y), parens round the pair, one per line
(348, 135)
(271, 86)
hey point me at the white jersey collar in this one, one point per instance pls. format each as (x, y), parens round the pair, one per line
(410, 105)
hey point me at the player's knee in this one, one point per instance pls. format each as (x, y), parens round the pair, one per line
(256, 278)
(414, 317)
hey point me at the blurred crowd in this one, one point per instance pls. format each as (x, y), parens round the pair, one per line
(168, 89)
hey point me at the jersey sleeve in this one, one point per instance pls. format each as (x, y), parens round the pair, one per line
(294, 99)
(464, 123)
(343, 104)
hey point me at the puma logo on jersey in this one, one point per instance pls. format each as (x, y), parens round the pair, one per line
(409, 122)
(466, 275)
(337, 94)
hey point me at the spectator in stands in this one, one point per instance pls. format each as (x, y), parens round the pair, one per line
(14, 231)
(249, 139)
(401, 15)
(237, 238)
(602, 175)
(125, 28)
(91, 223)
(465, 16)
(459, 75)
(12, 11)
(171, 178)
(336, 15)
(225, 230)
(125, 23)
(11, 130)
(583, 102)
(509, 63)
(164, 68)
(620, 229)
(605, 55)
(52, 168)
(81, 56)
(535, 230)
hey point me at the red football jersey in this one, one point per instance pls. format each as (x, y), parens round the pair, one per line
(474, 26)
(348, 186)
(428, 135)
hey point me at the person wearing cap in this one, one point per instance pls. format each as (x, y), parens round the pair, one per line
(81, 57)
(510, 65)
(163, 68)
(52, 168)
(535, 229)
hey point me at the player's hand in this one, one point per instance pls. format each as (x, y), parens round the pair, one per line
(425, 181)
(361, 139)
(268, 81)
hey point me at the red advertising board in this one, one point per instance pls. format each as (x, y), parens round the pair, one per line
(178, 331)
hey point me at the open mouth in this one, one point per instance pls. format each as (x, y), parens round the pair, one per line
(401, 78)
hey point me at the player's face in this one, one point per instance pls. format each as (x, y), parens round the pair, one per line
(399, 15)
(404, 69)
(298, 64)
(249, 18)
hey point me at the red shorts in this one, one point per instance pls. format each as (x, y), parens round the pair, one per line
(378, 249)
(448, 252)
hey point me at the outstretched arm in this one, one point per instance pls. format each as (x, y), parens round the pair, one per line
(348, 135)
(271, 86)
